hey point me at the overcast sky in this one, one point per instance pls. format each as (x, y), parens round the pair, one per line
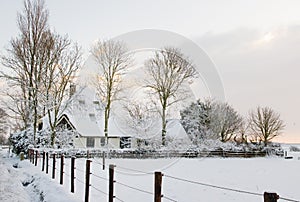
(254, 44)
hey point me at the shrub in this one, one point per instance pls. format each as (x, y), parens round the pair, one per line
(294, 149)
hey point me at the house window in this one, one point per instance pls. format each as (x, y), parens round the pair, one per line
(92, 117)
(81, 102)
(40, 126)
(90, 142)
(125, 142)
(102, 141)
(96, 104)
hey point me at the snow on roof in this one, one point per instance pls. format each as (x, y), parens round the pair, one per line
(87, 117)
(175, 130)
(87, 127)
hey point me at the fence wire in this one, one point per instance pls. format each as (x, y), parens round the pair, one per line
(134, 188)
(99, 177)
(168, 198)
(79, 181)
(119, 199)
(80, 170)
(287, 199)
(132, 170)
(225, 188)
(99, 190)
(213, 186)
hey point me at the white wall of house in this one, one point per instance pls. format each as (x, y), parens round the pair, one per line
(114, 142)
(133, 143)
(79, 142)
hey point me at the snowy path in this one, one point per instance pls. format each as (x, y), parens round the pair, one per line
(27, 183)
(11, 188)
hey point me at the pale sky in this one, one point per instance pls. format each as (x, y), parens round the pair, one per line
(254, 44)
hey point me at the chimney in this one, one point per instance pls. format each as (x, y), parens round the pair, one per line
(72, 89)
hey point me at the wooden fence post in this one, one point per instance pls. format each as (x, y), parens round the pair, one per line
(61, 169)
(53, 166)
(111, 183)
(21, 156)
(43, 163)
(36, 157)
(72, 173)
(87, 179)
(32, 156)
(157, 186)
(270, 197)
(47, 162)
(28, 154)
(103, 161)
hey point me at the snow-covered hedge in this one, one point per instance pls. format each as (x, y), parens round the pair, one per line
(22, 140)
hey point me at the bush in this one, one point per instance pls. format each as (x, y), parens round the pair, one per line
(294, 149)
(21, 141)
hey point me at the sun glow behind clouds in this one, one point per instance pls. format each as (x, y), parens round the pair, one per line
(268, 37)
(265, 39)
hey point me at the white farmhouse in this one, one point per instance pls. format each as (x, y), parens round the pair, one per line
(83, 120)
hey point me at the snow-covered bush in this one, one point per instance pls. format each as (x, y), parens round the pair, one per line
(195, 120)
(210, 120)
(273, 149)
(21, 141)
(294, 149)
(64, 139)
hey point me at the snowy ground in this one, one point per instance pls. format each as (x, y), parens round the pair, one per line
(24, 182)
(134, 180)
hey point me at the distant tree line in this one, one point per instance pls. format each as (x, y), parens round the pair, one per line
(215, 120)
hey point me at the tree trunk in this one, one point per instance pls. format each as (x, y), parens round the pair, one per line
(53, 135)
(164, 125)
(35, 122)
(266, 142)
(106, 118)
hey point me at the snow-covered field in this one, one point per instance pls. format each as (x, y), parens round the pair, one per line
(135, 179)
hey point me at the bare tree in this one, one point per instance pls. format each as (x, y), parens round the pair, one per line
(26, 58)
(225, 121)
(112, 60)
(168, 70)
(265, 124)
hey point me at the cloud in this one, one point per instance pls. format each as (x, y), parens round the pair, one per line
(259, 68)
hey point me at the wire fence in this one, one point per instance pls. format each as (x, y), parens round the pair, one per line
(106, 178)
